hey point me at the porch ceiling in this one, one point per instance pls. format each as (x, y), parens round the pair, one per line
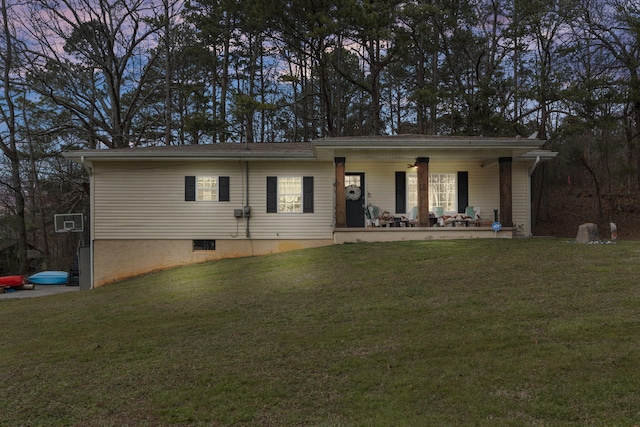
(410, 154)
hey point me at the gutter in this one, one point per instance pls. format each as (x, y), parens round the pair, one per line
(89, 170)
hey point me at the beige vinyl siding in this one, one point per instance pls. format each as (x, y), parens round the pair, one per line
(484, 188)
(316, 225)
(145, 200)
(379, 182)
(484, 184)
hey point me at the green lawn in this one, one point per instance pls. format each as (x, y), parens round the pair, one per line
(479, 332)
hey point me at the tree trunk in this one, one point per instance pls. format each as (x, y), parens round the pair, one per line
(10, 149)
(167, 76)
(19, 211)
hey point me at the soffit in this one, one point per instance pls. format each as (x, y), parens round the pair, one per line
(394, 154)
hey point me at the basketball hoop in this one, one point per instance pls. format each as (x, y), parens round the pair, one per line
(69, 223)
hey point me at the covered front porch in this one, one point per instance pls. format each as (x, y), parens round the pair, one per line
(426, 186)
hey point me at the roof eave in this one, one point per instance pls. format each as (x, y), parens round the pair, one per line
(133, 156)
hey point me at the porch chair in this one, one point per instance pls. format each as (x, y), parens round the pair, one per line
(474, 213)
(438, 211)
(413, 217)
(374, 214)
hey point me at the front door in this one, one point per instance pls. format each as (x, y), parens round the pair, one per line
(354, 192)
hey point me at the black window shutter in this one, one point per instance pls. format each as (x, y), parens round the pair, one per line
(463, 191)
(223, 190)
(401, 192)
(272, 194)
(307, 194)
(189, 188)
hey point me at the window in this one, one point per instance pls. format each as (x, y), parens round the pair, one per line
(204, 245)
(206, 188)
(442, 191)
(412, 191)
(352, 180)
(289, 194)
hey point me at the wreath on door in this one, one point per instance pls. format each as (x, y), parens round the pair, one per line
(353, 192)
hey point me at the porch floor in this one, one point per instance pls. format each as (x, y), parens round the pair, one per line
(393, 234)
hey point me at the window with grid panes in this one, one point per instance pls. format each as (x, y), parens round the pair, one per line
(442, 191)
(290, 194)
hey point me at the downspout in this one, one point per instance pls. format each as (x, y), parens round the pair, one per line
(89, 170)
(247, 207)
(535, 165)
(85, 166)
(533, 168)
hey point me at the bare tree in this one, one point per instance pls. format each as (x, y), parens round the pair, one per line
(371, 31)
(96, 60)
(615, 28)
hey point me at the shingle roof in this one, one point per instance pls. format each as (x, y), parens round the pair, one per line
(267, 150)
(305, 150)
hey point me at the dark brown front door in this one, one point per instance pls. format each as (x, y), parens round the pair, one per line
(354, 193)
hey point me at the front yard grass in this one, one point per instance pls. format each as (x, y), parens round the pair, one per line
(475, 332)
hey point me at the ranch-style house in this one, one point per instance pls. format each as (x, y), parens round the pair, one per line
(159, 207)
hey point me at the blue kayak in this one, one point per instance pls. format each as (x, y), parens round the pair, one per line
(50, 278)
